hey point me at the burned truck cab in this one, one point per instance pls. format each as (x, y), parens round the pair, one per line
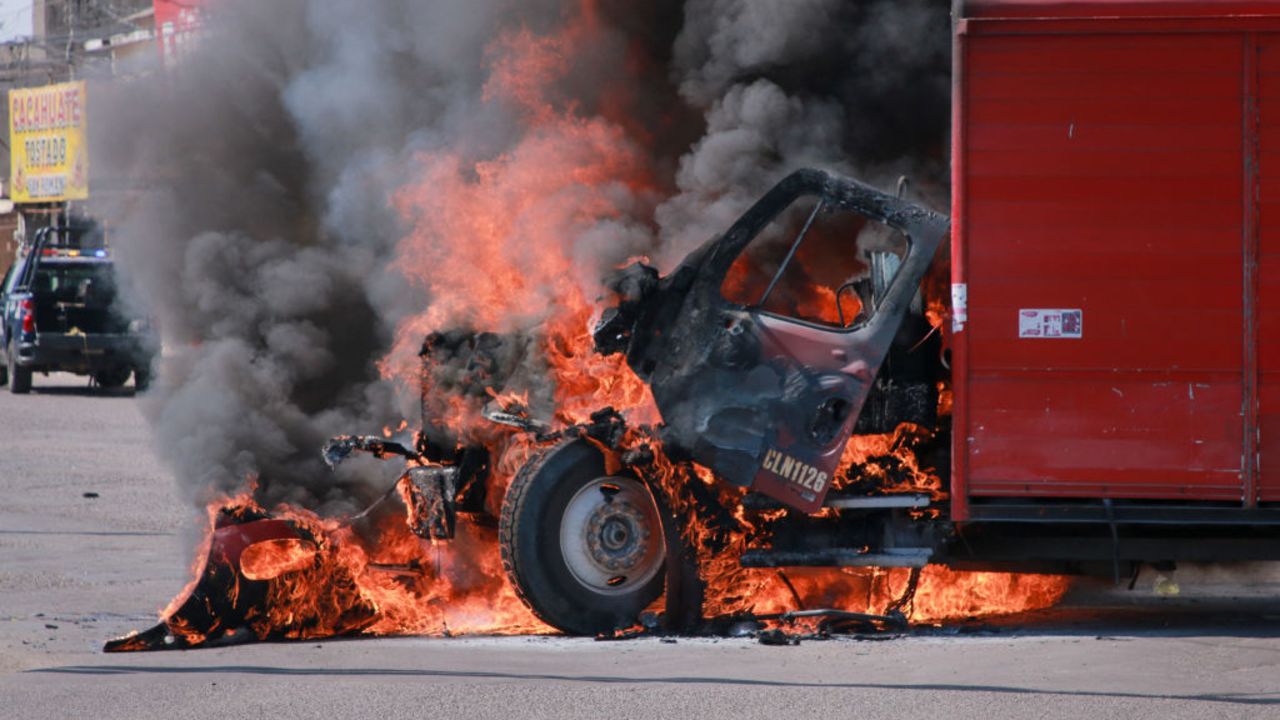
(762, 347)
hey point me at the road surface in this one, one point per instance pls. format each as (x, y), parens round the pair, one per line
(94, 540)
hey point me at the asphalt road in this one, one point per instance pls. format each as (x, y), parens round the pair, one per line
(77, 570)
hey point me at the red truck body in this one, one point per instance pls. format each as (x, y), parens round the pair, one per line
(1116, 254)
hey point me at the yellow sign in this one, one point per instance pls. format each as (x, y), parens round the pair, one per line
(48, 160)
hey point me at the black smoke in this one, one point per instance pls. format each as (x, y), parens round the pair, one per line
(250, 188)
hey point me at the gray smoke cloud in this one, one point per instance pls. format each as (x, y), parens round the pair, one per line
(251, 190)
(253, 223)
(857, 88)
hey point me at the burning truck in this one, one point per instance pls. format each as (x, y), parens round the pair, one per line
(761, 365)
(795, 399)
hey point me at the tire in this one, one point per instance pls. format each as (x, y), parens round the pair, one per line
(112, 378)
(4, 372)
(584, 550)
(19, 377)
(141, 378)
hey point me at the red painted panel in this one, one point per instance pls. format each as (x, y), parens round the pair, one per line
(1159, 169)
(1096, 54)
(1117, 266)
(1115, 340)
(1088, 235)
(1269, 437)
(1104, 173)
(1210, 181)
(1268, 271)
(1091, 87)
(1134, 111)
(1117, 8)
(1135, 141)
(1054, 212)
(1105, 433)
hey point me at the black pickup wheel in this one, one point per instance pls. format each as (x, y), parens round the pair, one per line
(19, 377)
(584, 549)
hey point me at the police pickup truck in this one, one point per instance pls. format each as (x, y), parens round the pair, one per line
(60, 314)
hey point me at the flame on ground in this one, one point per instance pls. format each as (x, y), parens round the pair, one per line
(942, 594)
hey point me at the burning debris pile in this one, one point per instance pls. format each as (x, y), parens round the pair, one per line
(441, 258)
(290, 575)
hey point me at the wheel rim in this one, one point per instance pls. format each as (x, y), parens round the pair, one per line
(611, 536)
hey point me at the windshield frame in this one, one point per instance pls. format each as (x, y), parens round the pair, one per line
(833, 194)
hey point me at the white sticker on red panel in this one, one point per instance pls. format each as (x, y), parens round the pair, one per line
(1055, 323)
(959, 306)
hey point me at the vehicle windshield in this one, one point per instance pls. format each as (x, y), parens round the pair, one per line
(818, 263)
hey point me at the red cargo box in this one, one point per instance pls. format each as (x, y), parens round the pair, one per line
(1116, 251)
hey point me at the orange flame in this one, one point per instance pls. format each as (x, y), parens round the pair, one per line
(517, 242)
(270, 559)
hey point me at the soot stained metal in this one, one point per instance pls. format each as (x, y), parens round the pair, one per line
(763, 400)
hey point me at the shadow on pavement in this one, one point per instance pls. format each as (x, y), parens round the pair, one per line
(85, 390)
(1228, 698)
(1142, 617)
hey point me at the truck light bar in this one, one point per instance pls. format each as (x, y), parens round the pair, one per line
(71, 252)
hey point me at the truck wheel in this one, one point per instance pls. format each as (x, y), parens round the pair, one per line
(112, 378)
(584, 550)
(19, 377)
